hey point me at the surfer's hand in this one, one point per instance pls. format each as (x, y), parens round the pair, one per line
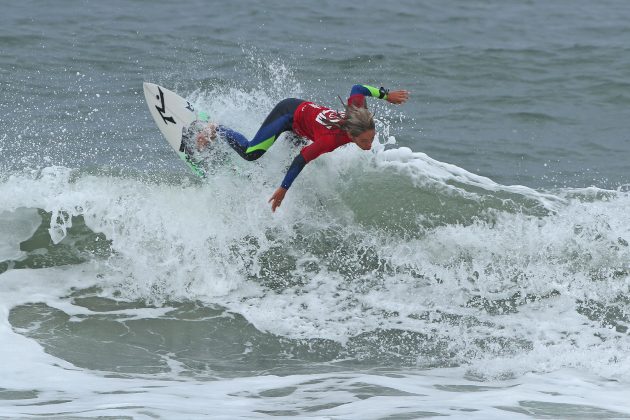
(205, 136)
(277, 197)
(398, 96)
(202, 140)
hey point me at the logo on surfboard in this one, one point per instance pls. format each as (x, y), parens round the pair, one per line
(162, 110)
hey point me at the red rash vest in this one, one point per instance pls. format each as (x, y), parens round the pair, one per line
(308, 122)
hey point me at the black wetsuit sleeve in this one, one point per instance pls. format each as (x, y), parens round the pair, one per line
(294, 170)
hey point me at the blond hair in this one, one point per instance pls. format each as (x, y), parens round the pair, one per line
(354, 121)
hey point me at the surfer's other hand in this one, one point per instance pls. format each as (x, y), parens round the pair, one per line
(202, 140)
(205, 136)
(277, 197)
(398, 96)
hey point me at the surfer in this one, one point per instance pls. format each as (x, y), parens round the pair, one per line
(326, 128)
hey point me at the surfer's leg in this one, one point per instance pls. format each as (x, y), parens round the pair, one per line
(279, 120)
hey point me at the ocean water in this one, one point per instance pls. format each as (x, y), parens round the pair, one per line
(474, 264)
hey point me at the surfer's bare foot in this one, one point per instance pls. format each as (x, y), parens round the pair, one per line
(207, 135)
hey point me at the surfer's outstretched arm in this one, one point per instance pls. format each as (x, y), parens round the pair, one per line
(359, 92)
(294, 170)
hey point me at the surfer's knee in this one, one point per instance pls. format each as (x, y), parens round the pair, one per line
(253, 155)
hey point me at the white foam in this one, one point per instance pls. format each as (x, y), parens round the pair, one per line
(58, 389)
(184, 234)
(16, 226)
(195, 239)
(23, 358)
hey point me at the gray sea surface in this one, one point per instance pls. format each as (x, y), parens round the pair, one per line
(474, 264)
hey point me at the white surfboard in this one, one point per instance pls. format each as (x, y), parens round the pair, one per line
(173, 114)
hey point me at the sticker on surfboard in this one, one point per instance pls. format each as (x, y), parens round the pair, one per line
(174, 116)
